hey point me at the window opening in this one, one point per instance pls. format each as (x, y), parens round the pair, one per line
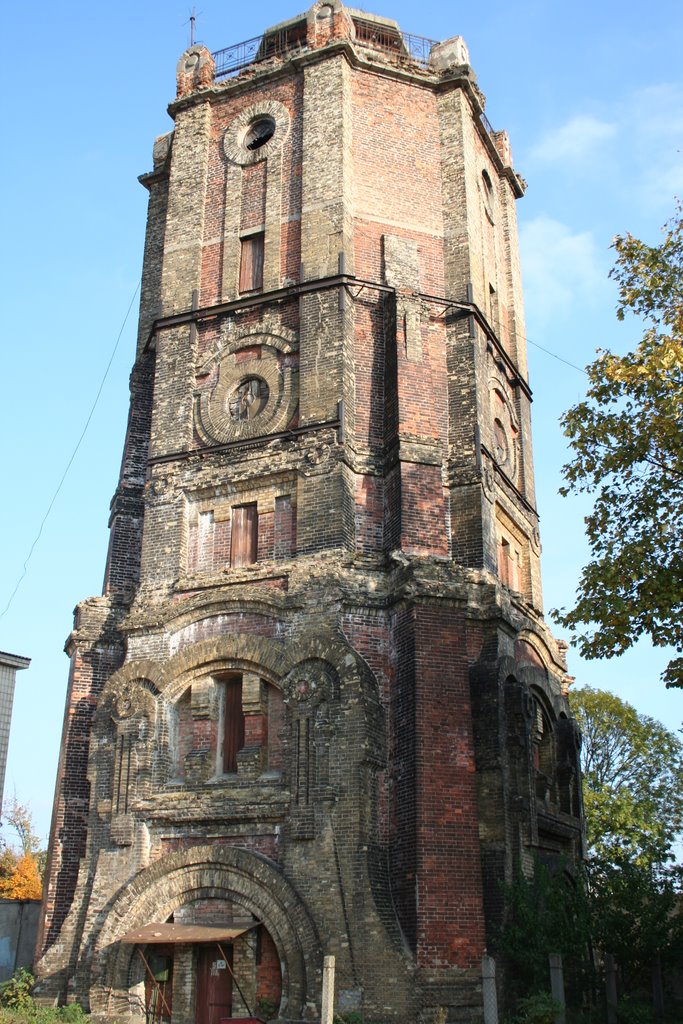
(543, 754)
(233, 723)
(251, 263)
(124, 749)
(248, 399)
(508, 565)
(488, 194)
(493, 307)
(259, 132)
(244, 537)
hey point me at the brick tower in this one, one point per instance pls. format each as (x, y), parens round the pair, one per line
(317, 709)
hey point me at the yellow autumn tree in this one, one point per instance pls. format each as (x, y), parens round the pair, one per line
(24, 882)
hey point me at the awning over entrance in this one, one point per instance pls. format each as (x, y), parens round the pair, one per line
(157, 933)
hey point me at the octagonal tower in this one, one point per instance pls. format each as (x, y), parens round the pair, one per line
(317, 709)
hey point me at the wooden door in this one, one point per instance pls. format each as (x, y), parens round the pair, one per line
(214, 984)
(158, 984)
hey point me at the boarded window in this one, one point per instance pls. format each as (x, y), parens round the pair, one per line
(244, 539)
(251, 263)
(493, 307)
(284, 541)
(233, 723)
(508, 565)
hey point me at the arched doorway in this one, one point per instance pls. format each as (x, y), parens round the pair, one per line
(232, 968)
(267, 938)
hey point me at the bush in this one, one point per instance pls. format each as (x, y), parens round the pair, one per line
(17, 1005)
(352, 1017)
(539, 1008)
(265, 1009)
(72, 1014)
(15, 994)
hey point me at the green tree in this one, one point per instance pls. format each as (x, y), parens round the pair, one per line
(627, 442)
(632, 780)
(634, 915)
(547, 912)
(8, 862)
(18, 816)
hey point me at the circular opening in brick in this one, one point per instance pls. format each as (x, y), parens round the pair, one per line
(248, 400)
(258, 133)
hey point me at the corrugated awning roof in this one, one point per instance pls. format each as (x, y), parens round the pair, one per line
(156, 933)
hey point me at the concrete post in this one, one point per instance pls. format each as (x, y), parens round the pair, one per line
(327, 999)
(657, 989)
(557, 985)
(611, 988)
(488, 985)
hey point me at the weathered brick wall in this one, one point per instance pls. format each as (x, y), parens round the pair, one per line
(92, 662)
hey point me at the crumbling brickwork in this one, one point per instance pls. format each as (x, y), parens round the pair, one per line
(317, 705)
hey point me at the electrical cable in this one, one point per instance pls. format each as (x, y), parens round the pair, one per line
(90, 416)
(73, 455)
(581, 369)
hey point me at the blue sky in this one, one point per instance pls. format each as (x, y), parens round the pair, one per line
(592, 97)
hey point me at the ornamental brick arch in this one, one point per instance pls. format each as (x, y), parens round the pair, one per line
(240, 652)
(147, 674)
(347, 663)
(211, 606)
(255, 882)
(350, 676)
(127, 727)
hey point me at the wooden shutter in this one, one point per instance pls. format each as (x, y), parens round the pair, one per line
(251, 263)
(233, 723)
(244, 539)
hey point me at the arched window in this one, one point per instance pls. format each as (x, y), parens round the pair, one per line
(231, 737)
(250, 724)
(543, 754)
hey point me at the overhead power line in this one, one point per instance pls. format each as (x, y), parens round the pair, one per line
(72, 457)
(90, 416)
(547, 351)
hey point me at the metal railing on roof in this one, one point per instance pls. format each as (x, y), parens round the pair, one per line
(263, 47)
(400, 47)
(487, 124)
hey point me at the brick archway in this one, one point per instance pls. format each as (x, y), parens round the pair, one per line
(157, 892)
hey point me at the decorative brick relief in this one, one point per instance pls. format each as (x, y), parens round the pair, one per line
(195, 70)
(240, 148)
(247, 389)
(309, 691)
(129, 717)
(504, 430)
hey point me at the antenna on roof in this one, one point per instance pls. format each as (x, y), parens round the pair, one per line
(192, 21)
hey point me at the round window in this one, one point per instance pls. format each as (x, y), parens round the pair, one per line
(248, 400)
(258, 133)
